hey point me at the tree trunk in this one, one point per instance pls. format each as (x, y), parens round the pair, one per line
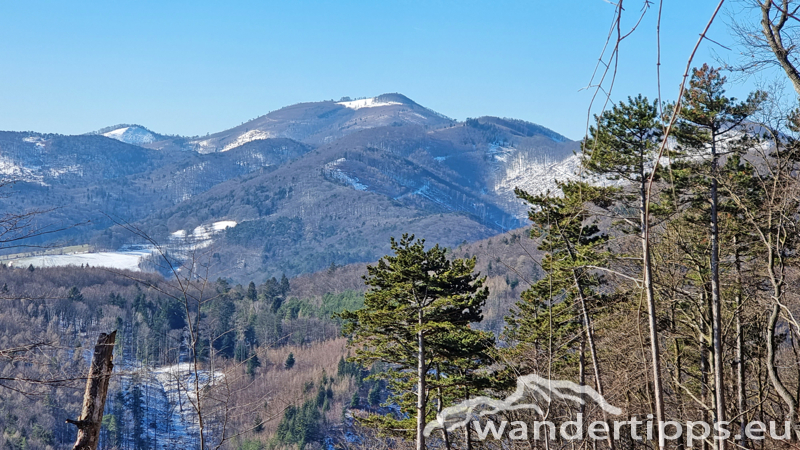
(772, 34)
(655, 353)
(716, 304)
(704, 360)
(587, 324)
(440, 406)
(741, 396)
(420, 386)
(94, 399)
(784, 393)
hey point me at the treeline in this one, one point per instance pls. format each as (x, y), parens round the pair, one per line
(51, 316)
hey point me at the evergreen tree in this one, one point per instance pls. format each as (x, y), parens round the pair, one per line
(558, 306)
(74, 294)
(374, 395)
(284, 286)
(289, 363)
(355, 400)
(623, 146)
(706, 118)
(418, 299)
(252, 295)
(253, 363)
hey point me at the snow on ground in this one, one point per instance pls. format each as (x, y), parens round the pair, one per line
(366, 103)
(36, 140)
(55, 173)
(131, 135)
(332, 170)
(532, 176)
(205, 146)
(124, 260)
(252, 135)
(10, 170)
(222, 225)
(129, 258)
(201, 236)
(168, 393)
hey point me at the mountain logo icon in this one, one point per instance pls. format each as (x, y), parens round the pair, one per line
(533, 392)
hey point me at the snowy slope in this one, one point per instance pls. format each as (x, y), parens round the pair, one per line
(135, 135)
(532, 175)
(366, 103)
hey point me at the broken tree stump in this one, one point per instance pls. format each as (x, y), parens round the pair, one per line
(94, 400)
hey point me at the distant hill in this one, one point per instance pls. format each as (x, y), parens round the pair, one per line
(131, 134)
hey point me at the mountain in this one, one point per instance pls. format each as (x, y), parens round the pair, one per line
(130, 134)
(304, 187)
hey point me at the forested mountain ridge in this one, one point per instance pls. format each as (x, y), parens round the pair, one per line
(305, 186)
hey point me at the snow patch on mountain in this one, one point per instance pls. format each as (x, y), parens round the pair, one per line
(57, 172)
(9, 170)
(134, 135)
(38, 140)
(252, 135)
(201, 236)
(366, 103)
(332, 171)
(177, 385)
(179, 245)
(532, 175)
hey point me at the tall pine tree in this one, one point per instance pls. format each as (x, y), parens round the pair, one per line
(418, 302)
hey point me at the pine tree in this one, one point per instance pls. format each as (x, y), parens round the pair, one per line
(706, 118)
(573, 243)
(74, 294)
(622, 146)
(289, 363)
(418, 300)
(251, 295)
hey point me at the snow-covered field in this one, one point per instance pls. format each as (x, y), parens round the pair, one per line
(129, 259)
(124, 260)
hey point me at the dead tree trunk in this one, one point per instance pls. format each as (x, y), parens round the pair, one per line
(94, 400)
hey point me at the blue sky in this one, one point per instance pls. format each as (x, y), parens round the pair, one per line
(192, 67)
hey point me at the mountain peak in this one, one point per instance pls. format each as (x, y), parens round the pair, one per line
(381, 100)
(130, 134)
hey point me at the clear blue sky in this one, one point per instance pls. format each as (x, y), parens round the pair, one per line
(191, 67)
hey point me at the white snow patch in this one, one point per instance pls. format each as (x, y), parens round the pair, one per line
(131, 135)
(123, 260)
(206, 146)
(201, 236)
(223, 224)
(366, 103)
(35, 140)
(534, 176)
(11, 170)
(55, 173)
(252, 135)
(332, 170)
